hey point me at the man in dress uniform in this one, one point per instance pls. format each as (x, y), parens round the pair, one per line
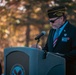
(62, 38)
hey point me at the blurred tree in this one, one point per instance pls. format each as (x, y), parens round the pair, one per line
(18, 14)
(24, 13)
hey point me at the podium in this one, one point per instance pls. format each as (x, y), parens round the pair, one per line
(29, 61)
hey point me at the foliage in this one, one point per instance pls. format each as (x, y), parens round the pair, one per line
(18, 18)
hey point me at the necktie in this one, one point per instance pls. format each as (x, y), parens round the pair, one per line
(55, 38)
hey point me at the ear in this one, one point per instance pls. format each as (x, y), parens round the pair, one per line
(62, 17)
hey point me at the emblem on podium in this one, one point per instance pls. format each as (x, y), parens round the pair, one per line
(17, 70)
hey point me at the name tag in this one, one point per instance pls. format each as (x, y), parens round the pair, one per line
(65, 39)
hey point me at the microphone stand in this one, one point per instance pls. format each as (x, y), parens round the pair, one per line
(38, 40)
(45, 52)
(44, 55)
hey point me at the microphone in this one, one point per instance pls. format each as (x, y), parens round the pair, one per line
(40, 35)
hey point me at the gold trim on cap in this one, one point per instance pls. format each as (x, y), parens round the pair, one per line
(59, 13)
(57, 10)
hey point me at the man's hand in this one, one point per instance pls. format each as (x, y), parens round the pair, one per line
(36, 46)
(59, 54)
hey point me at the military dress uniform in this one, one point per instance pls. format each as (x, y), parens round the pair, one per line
(65, 44)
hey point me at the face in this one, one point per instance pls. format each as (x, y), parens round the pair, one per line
(56, 22)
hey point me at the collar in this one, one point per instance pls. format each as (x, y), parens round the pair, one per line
(62, 27)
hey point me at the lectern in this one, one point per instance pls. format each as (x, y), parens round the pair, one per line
(29, 61)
